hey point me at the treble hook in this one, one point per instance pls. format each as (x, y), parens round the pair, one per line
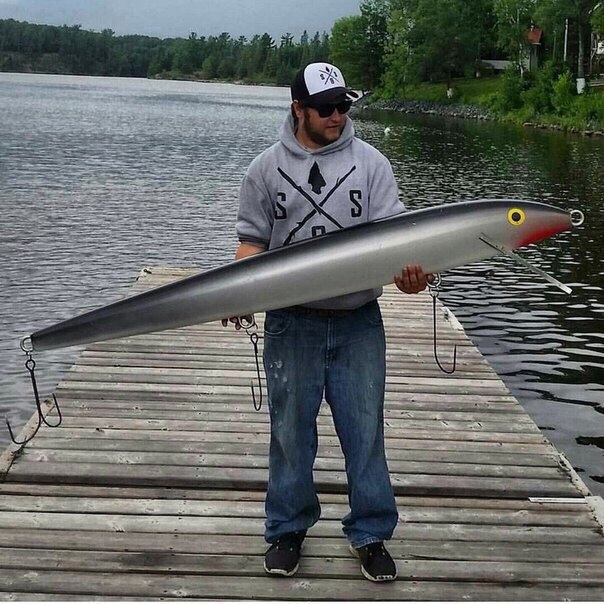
(434, 289)
(249, 324)
(30, 365)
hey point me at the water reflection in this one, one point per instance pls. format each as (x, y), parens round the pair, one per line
(549, 347)
(100, 177)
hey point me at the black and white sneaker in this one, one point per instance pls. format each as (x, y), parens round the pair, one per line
(283, 556)
(376, 563)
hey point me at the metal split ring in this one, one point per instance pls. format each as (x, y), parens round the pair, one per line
(437, 282)
(576, 217)
(26, 349)
(247, 322)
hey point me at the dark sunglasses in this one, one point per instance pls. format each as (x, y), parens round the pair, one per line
(327, 109)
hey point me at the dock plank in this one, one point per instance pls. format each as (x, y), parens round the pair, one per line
(158, 585)
(153, 487)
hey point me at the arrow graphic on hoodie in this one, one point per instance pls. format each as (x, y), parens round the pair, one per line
(318, 208)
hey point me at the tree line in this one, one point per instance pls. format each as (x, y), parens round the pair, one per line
(389, 45)
(395, 43)
(73, 50)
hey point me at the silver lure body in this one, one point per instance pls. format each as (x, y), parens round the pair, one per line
(354, 259)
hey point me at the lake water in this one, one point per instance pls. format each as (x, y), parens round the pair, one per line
(102, 176)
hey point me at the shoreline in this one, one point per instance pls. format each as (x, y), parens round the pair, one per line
(463, 111)
(454, 110)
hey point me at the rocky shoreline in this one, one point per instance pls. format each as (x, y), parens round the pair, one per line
(474, 112)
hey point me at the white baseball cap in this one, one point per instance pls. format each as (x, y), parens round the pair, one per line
(320, 83)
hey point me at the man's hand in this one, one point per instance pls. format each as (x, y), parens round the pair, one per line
(243, 251)
(247, 319)
(412, 279)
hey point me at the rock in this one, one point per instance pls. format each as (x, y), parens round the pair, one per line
(431, 108)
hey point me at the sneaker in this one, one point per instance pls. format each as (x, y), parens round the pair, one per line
(283, 556)
(376, 563)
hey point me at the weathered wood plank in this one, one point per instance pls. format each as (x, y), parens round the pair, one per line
(253, 421)
(243, 395)
(239, 404)
(332, 547)
(244, 413)
(218, 389)
(218, 587)
(498, 431)
(72, 597)
(206, 360)
(401, 439)
(310, 567)
(329, 511)
(411, 454)
(218, 460)
(577, 504)
(254, 478)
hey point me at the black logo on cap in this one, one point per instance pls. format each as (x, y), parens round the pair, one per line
(329, 75)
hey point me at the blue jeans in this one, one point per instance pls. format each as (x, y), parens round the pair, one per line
(342, 358)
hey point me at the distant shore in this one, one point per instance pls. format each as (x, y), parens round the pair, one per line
(458, 110)
(409, 106)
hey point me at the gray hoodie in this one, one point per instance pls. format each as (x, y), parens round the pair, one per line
(291, 193)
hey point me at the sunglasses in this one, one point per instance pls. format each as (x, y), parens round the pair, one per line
(327, 109)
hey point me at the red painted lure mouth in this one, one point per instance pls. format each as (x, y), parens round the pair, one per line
(543, 233)
(574, 218)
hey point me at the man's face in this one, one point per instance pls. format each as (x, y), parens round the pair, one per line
(315, 131)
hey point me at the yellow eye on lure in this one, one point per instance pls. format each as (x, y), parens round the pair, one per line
(516, 216)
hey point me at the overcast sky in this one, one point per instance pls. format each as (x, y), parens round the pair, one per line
(177, 18)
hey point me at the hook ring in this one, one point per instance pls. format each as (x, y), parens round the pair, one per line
(26, 349)
(247, 321)
(437, 282)
(576, 217)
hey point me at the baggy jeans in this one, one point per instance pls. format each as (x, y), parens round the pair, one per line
(342, 358)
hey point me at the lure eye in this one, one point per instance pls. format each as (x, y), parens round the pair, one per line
(516, 216)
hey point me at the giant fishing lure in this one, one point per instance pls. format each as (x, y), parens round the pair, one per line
(362, 257)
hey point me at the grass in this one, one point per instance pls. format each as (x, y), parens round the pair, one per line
(584, 113)
(469, 91)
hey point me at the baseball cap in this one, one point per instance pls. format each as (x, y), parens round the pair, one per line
(320, 83)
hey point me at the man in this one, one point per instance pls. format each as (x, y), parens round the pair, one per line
(317, 179)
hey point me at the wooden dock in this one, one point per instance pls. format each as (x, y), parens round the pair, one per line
(153, 486)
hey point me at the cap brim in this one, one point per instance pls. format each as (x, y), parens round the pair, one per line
(333, 95)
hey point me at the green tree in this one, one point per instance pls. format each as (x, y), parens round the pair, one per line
(597, 19)
(182, 58)
(582, 14)
(435, 39)
(348, 49)
(357, 44)
(513, 21)
(398, 55)
(375, 14)
(69, 49)
(210, 66)
(551, 17)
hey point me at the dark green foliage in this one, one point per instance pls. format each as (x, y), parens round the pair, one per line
(548, 96)
(540, 91)
(589, 109)
(436, 40)
(358, 44)
(563, 93)
(72, 50)
(597, 19)
(513, 85)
